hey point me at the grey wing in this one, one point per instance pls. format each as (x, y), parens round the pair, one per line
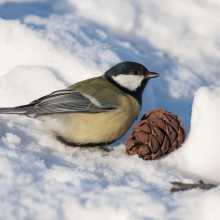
(67, 101)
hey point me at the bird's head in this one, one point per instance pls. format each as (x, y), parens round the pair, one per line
(130, 77)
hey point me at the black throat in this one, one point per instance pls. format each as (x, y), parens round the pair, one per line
(137, 94)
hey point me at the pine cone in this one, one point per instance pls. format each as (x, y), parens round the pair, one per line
(159, 132)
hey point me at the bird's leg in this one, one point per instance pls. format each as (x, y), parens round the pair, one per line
(105, 149)
(178, 186)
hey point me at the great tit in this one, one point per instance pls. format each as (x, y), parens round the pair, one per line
(94, 112)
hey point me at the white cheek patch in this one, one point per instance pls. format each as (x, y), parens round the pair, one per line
(131, 82)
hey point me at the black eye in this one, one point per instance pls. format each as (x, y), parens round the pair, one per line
(135, 72)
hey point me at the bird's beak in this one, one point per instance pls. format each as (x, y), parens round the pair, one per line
(152, 75)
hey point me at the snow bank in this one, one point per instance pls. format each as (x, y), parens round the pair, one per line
(31, 82)
(155, 21)
(23, 46)
(199, 155)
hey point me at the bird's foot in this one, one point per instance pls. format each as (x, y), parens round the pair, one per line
(178, 186)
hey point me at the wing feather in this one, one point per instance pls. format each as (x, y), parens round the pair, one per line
(66, 101)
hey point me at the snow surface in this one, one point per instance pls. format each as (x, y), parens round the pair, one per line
(47, 45)
(200, 153)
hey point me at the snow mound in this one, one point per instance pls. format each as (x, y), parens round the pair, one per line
(31, 82)
(199, 155)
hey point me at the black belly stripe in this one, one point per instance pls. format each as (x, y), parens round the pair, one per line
(72, 144)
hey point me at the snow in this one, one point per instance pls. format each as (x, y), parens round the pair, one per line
(31, 81)
(200, 153)
(48, 45)
(11, 138)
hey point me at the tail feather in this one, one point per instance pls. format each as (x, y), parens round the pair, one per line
(15, 110)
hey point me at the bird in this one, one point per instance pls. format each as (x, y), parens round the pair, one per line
(93, 112)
